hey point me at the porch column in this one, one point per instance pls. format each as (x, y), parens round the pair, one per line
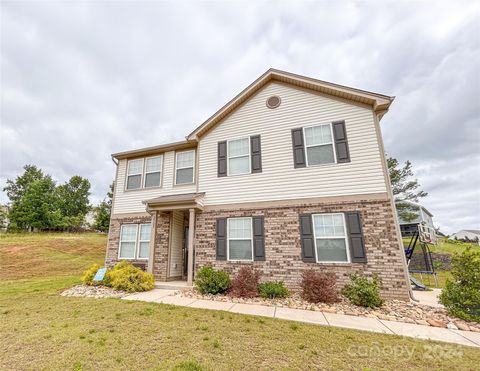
(151, 256)
(191, 226)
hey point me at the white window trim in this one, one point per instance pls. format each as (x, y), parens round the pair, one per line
(140, 173)
(331, 237)
(145, 172)
(249, 157)
(137, 241)
(317, 145)
(185, 167)
(244, 239)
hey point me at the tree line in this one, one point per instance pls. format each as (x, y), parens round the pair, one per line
(37, 203)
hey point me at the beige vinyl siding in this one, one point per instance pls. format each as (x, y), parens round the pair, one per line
(176, 246)
(131, 201)
(279, 179)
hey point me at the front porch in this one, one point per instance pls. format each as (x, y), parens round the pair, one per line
(172, 246)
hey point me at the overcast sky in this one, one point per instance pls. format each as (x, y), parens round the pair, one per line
(81, 80)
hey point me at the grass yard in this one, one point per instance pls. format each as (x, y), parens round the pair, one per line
(41, 330)
(445, 246)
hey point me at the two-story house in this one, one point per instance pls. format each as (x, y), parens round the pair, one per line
(288, 176)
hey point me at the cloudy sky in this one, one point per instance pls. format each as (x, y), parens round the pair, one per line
(80, 80)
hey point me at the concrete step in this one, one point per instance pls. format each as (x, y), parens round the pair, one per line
(172, 285)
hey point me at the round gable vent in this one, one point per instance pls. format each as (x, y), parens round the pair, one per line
(273, 101)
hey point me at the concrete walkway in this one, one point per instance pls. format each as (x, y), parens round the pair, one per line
(166, 296)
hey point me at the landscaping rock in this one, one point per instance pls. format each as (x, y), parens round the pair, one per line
(93, 292)
(392, 310)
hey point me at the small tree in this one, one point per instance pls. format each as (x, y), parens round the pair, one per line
(103, 211)
(461, 295)
(404, 188)
(73, 203)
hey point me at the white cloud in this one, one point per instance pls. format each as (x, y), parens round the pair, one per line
(80, 80)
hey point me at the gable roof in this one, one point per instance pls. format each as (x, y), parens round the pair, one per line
(379, 102)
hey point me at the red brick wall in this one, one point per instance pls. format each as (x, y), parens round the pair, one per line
(282, 244)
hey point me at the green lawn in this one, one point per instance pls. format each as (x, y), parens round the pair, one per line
(41, 330)
(445, 246)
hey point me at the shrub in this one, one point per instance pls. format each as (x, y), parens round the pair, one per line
(319, 287)
(245, 283)
(211, 281)
(125, 277)
(272, 290)
(88, 275)
(461, 296)
(363, 291)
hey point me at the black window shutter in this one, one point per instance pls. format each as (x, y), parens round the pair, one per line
(298, 148)
(258, 238)
(221, 239)
(256, 152)
(222, 158)
(355, 237)
(307, 239)
(341, 143)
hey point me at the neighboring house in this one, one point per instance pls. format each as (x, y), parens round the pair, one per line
(290, 175)
(424, 218)
(466, 234)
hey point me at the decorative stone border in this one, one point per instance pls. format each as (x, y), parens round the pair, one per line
(392, 310)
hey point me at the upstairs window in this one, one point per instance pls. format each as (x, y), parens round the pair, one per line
(185, 165)
(134, 174)
(319, 145)
(153, 171)
(238, 156)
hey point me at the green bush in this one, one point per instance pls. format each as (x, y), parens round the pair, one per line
(211, 281)
(461, 295)
(273, 289)
(363, 291)
(125, 277)
(88, 275)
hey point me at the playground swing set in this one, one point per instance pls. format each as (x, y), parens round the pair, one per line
(422, 238)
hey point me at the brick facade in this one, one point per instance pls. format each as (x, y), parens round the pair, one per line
(161, 243)
(282, 244)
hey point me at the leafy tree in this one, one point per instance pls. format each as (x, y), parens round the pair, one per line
(3, 217)
(37, 207)
(103, 211)
(72, 202)
(17, 188)
(404, 188)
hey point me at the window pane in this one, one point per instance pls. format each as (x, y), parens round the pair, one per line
(313, 136)
(144, 250)
(127, 250)
(238, 147)
(152, 179)
(185, 159)
(332, 250)
(145, 230)
(134, 181)
(239, 228)
(329, 225)
(239, 165)
(320, 155)
(326, 134)
(240, 249)
(129, 232)
(184, 176)
(135, 167)
(153, 164)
